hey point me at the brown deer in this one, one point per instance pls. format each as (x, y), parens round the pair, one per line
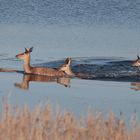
(136, 63)
(66, 67)
(60, 72)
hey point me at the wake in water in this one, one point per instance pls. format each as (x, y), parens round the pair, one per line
(112, 69)
(119, 70)
(108, 69)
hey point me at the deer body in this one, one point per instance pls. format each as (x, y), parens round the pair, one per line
(44, 71)
(38, 70)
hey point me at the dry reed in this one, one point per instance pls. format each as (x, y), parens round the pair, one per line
(40, 124)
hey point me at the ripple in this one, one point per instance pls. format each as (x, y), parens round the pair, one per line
(100, 68)
(72, 12)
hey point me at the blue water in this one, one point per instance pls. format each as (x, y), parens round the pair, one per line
(46, 12)
(92, 32)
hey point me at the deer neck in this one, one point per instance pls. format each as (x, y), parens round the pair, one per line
(27, 66)
(69, 71)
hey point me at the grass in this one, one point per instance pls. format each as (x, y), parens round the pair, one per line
(22, 124)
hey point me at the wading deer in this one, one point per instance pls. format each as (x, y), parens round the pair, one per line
(66, 67)
(136, 63)
(55, 72)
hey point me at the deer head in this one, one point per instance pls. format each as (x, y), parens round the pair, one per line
(136, 63)
(25, 54)
(66, 65)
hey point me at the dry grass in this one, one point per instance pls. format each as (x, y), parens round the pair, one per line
(21, 124)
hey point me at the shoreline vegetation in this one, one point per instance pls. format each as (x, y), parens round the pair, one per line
(42, 124)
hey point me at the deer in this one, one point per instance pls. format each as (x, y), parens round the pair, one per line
(66, 67)
(136, 63)
(63, 71)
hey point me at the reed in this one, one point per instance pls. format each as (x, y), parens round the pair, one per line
(40, 124)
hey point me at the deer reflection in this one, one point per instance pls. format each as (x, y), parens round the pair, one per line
(27, 78)
(135, 86)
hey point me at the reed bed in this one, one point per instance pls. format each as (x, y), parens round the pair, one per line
(42, 124)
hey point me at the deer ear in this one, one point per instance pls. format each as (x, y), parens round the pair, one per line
(138, 57)
(68, 60)
(26, 50)
(31, 49)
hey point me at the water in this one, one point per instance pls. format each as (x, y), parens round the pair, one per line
(102, 37)
(108, 12)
